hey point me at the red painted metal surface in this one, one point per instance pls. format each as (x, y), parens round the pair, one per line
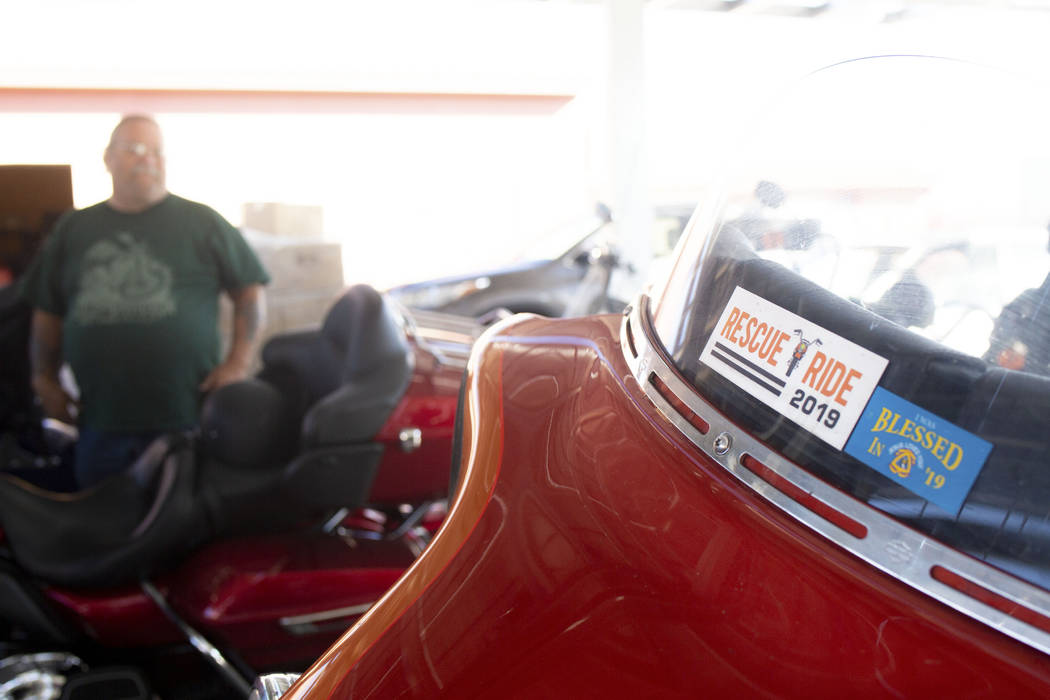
(594, 552)
(123, 617)
(237, 592)
(430, 405)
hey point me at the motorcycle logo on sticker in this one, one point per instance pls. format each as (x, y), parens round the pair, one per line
(800, 351)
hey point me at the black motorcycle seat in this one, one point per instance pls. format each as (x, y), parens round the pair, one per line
(123, 529)
(247, 424)
(343, 381)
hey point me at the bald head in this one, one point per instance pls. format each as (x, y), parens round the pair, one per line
(130, 119)
(135, 161)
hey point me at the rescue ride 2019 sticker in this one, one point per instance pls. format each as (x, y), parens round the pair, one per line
(926, 454)
(819, 380)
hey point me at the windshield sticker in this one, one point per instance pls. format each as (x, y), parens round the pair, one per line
(819, 380)
(926, 454)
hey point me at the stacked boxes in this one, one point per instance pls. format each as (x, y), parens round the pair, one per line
(306, 271)
(306, 277)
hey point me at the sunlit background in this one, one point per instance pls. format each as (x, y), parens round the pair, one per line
(441, 183)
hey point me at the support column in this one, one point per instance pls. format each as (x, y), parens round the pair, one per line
(632, 211)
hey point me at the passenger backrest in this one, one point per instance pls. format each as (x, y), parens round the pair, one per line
(305, 429)
(376, 370)
(342, 381)
(303, 367)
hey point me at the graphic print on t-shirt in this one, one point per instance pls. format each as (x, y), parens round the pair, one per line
(122, 283)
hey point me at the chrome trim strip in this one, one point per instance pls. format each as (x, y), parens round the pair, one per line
(889, 546)
(438, 335)
(448, 337)
(335, 521)
(311, 623)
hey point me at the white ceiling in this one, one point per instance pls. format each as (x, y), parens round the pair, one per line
(872, 10)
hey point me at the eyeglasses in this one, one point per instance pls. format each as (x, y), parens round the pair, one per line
(139, 149)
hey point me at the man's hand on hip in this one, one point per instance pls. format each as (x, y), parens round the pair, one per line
(223, 374)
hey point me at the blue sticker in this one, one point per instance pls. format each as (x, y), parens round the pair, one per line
(926, 454)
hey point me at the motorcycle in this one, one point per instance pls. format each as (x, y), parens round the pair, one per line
(650, 507)
(800, 351)
(251, 543)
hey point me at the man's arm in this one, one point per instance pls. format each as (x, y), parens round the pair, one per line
(45, 355)
(248, 316)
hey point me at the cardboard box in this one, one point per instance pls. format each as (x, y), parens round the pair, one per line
(297, 312)
(275, 218)
(303, 267)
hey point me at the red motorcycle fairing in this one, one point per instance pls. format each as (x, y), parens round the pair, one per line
(592, 550)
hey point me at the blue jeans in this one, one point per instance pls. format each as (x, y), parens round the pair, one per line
(102, 454)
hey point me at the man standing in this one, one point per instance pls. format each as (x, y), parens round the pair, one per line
(126, 291)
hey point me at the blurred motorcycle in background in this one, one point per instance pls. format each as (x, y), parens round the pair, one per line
(252, 543)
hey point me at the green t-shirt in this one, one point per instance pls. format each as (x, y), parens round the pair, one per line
(138, 294)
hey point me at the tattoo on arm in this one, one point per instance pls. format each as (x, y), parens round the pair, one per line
(248, 317)
(249, 314)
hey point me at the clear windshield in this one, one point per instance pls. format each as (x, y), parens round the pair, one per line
(868, 297)
(555, 242)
